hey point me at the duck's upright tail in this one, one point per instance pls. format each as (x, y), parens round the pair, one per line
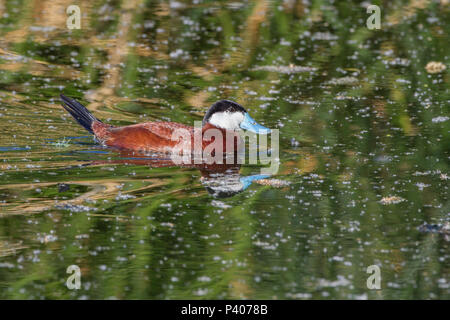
(79, 112)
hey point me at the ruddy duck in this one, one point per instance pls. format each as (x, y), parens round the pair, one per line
(224, 115)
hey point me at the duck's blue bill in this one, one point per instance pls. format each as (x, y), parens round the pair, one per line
(250, 124)
(247, 180)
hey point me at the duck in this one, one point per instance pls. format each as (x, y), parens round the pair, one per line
(227, 116)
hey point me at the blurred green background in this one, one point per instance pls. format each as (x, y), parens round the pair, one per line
(364, 141)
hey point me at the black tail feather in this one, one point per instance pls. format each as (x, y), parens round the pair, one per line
(79, 112)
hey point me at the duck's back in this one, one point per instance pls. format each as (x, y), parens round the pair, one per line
(148, 136)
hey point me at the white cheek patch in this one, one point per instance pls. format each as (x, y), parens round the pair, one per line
(227, 120)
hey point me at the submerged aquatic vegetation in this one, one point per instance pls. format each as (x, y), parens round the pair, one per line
(435, 228)
(435, 67)
(273, 182)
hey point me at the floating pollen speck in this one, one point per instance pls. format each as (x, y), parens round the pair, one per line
(391, 200)
(273, 182)
(435, 67)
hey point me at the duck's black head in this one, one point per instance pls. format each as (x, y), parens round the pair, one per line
(230, 115)
(224, 110)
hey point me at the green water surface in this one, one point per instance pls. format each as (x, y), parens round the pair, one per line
(364, 150)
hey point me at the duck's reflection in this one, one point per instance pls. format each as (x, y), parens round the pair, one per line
(227, 181)
(221, 180)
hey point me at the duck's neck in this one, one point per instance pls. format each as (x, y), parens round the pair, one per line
(229, 137)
